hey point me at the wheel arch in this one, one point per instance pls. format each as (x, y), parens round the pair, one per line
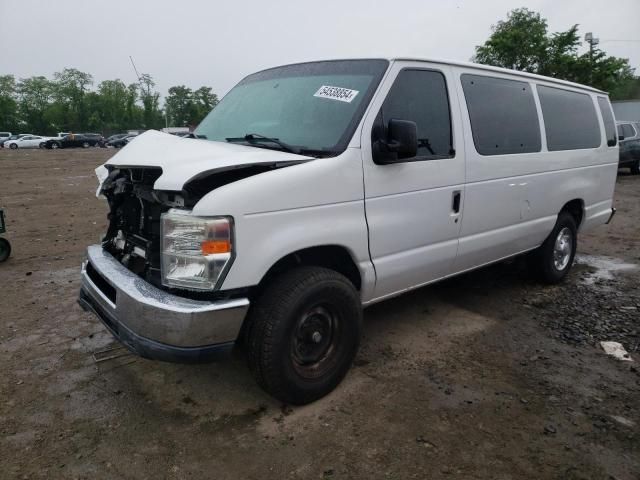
(333, 257)
(576, 209)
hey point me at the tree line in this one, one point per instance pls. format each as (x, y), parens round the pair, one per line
(69, 102)
(523, 42)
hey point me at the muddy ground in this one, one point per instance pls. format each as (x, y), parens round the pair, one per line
(488, 375)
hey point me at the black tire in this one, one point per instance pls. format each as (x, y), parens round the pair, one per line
(13, 146)
(303, 334)
(635, 168)
(5, 249)
(552, 261)
(86, 145)
(55, 145)
(42, 145)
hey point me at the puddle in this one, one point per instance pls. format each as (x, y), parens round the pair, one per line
(604, 268)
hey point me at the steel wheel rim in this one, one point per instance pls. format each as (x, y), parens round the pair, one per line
(314, 340)
(562, 249)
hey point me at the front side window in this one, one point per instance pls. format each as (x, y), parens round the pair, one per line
(420, 96)
(570, 119)
(503, 115)
(609, 123)
(312, 107)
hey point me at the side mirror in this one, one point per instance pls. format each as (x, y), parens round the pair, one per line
(620, 137)
(401, 142)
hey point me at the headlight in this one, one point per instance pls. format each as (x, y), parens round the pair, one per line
(195, 251)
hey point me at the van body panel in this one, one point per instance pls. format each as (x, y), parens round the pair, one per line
(512, 200)
(509, 202)
(285, 210)
(413, 231)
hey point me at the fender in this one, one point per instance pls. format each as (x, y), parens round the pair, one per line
(282, 211)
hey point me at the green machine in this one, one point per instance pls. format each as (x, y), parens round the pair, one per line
(5, 246)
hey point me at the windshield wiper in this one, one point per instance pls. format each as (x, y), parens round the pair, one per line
(258, 138)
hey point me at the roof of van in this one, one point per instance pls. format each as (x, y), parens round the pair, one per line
(490, 68)
(477, 66)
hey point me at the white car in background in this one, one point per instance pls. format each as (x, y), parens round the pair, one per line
(27, 141)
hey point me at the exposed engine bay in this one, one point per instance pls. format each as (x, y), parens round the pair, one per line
(135, 208)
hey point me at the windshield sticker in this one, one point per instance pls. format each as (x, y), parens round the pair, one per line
(336, 93)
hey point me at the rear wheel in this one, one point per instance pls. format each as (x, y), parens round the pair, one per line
(85, 145)
(303, 334)
(55, 145)
(553, 259)
(635, 168)
(5, 249)
(13, 146)
(42, 145)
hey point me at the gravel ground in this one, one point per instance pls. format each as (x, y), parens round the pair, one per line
(487, 375)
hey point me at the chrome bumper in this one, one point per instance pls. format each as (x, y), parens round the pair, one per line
(152, 322)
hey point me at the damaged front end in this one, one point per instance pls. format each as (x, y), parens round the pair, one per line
(134, 234)
(135, 209)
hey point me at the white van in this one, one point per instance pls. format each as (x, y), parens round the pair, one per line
(315, 189)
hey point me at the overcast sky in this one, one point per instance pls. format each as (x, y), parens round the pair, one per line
(216, 43)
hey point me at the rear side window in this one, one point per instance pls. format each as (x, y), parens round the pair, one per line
(609, 123)
(503, 115)
(421, 97)
(570, 119)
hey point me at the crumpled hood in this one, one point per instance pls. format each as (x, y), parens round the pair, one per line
(182, 159)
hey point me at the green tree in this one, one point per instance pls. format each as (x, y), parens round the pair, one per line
(522, 42)
(179, 106)
(152, 115)
(34, 95)
(111, 106)
(204, 100)
(185, 107)
(69, 89)
(8, 103)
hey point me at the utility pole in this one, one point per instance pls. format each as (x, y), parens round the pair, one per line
(591, 40)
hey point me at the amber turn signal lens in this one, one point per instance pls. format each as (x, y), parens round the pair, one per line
(211, 247)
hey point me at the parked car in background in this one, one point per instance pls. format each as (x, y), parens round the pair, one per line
(121, 141)
(4, 136)
(13, 137)
(76, 140)
(629, 134)
(27, 141)
(116, 136)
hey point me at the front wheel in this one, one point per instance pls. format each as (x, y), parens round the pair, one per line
(5, 249)
(635, 168)
(42, 145)
(55, 145)
(553, 259)
(13, 146)
(303, 334)
(85, 145)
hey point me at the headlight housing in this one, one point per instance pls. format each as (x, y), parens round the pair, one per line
(196, 251)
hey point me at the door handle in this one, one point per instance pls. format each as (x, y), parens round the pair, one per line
(455, 202)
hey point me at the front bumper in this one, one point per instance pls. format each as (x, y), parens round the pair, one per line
(152, 322)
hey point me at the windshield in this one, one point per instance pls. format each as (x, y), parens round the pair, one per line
(312, 107)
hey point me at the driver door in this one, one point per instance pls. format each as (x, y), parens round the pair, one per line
(414, 207)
